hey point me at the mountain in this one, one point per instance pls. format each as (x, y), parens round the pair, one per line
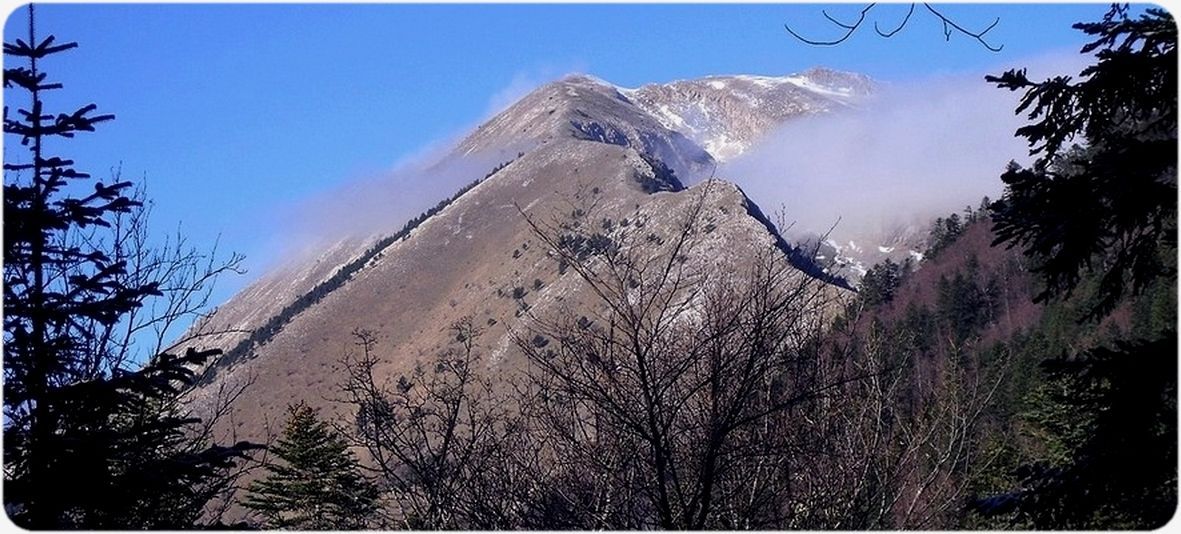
(578, 150)
(854, 253)
(725, 115)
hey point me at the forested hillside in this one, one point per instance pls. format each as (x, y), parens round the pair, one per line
(965, 316)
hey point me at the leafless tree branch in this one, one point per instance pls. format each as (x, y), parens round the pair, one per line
(949, 27)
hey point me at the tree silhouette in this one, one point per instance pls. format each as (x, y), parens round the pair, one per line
(950, 27)
(88, 441)
(881, 281)
(1103, 215)
(1110, 206)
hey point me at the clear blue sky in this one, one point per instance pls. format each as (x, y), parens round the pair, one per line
(233, 111)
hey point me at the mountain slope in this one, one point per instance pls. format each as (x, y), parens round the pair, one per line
(688, 125)
(580, 148)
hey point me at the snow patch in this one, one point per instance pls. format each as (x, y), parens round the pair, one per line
(806, 83)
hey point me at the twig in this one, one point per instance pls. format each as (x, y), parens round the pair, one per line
(949, 27)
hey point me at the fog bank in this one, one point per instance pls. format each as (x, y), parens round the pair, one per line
(915, 151)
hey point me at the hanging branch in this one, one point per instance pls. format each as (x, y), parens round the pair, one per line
(900, 25)
(949, 27)
(850, 28)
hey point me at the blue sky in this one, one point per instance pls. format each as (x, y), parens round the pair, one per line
(233, 112)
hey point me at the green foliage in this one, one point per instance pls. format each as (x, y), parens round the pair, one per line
(1100, 223)
(1090, 410)
(89, 441)
(1109, 416)
(944, 231)
(881, 281)
(584, 246)
(318, 485)
(966, 305)
(1109, 206)
(1091, 418)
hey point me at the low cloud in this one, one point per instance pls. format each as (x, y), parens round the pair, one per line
(524, 82)
(915, 151)
(380, 203)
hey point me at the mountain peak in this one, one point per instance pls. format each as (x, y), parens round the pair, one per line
(722, 115)
(586, 108)
(852, 83)
(579, 78)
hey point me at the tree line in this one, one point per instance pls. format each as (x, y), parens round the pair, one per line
(677, 397)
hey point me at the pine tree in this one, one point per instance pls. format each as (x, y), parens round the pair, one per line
(1100, 221)
(318, 485)
(89, 442)
(880, 282)
(1106, 208)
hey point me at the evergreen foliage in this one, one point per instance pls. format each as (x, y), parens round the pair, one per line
(1100, 223)
(1110, 464)
(965, 304)
(89, 441)
(944, 232)
(881, 281)
(318, 485)
(1109, 206)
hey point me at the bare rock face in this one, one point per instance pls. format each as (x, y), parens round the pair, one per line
(584, 107)
(581, 150)
(727, 114)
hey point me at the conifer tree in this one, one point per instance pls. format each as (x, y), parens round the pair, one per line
(881, 281)
(1110, 207)
(318, 485)
(89, 441)
(1104, 213)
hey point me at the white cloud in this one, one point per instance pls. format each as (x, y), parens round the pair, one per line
(524, 82)
(918, 150)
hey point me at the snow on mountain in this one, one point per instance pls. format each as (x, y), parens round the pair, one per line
(575, 142)
(727, 114)
(898, 243)
(687, 125)
(586, 107)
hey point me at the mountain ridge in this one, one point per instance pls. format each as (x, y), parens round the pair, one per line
(524, 125)
(577, 140)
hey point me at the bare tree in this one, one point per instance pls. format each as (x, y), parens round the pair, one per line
(902, 442)
(185, 276)
(671, 393)
(949, 27)
(433, 435)
(668, 391)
